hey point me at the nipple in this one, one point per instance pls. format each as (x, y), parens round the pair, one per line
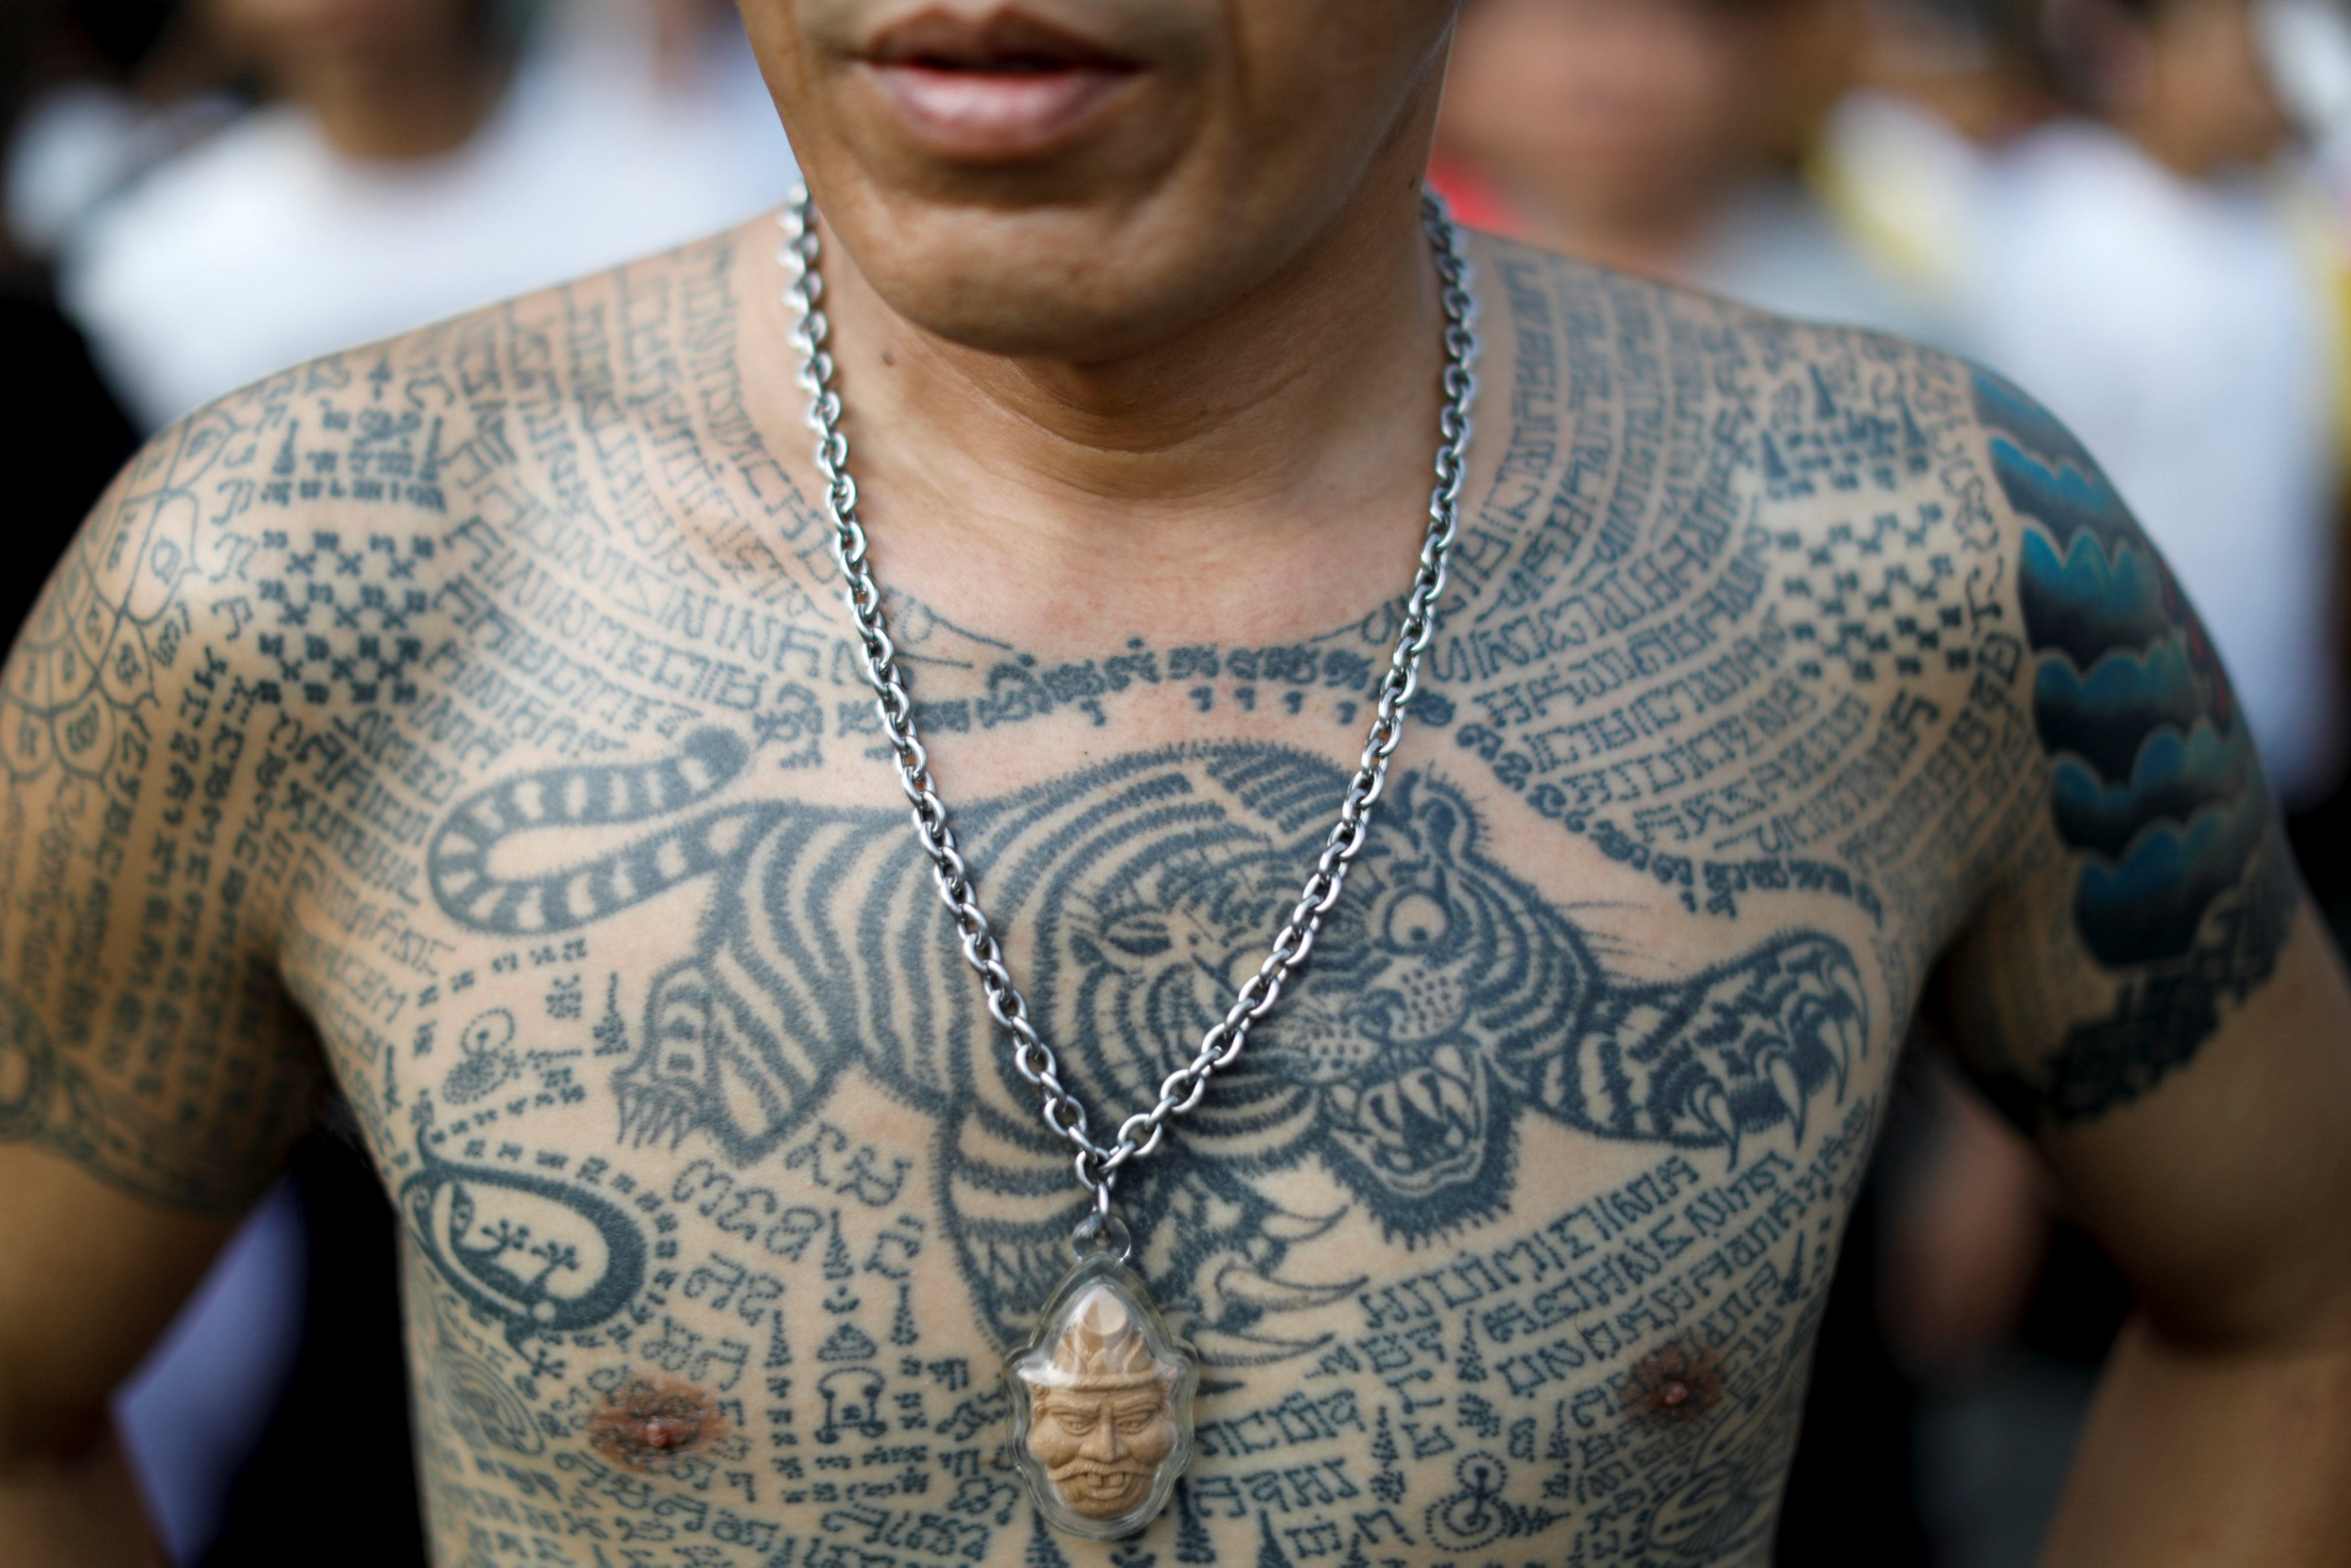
(670, 1432)
(647, 1426)
(1671, 1387)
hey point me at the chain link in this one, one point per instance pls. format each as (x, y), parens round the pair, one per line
(1097, 1163)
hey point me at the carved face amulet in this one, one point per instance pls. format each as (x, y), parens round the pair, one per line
(1101, 1403)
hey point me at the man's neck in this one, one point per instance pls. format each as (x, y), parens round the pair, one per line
(1302, 415)
(2179, 151)
(1654, 231)
(401, 104)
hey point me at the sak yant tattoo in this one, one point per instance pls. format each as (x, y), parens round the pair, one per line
(463, 719)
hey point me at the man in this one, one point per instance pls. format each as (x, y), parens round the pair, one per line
(480, 702)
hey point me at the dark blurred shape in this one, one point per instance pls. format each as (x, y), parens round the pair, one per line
(121, 32)
(60, 447)
(190, 285)
(1996, 1311)
(93, 93)
(1979, 1261)
(2081, 1303)
(1969, 1232)
(388, 81)
(1852, 1480)
(1976, 65)
(358, 1492)
(1941, 86)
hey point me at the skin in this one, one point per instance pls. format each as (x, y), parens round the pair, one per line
(2185, 79)
(1758, 721)
(2200, 99)
(386, 80)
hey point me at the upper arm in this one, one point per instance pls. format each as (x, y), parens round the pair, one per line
(152, 1073)
(2142, 988)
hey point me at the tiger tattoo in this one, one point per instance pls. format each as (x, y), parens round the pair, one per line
(1447, 1000)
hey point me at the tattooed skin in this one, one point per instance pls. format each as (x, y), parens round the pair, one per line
(478, 702)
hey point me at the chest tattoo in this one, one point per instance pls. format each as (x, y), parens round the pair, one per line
(1447, 1001)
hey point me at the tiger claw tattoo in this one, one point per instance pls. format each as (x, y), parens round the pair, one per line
(1448, 1000)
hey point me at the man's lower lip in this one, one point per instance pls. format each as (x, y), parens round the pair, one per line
(996, 116)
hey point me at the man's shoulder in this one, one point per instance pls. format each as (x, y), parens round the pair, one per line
(1752, 618)
(1813, 602)
(1634, 404)
(568, 345)
(597, 424)
(299, 624)
(1869, 407)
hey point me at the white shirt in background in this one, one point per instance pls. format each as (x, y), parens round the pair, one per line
(2178, 328)
(265, 246)
(1777, 246)
(1908, 187)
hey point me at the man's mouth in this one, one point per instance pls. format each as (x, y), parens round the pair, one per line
(1098, 1483)
(1002, 87)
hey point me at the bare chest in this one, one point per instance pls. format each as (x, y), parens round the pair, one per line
(723, 1203)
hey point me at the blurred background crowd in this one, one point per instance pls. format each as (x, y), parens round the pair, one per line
(2138, 209)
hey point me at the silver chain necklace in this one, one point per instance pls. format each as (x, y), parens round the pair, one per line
(1101, 1395)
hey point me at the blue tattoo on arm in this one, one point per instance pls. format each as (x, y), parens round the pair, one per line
(2180, 886)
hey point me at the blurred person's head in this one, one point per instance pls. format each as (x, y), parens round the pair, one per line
(1621, 124)
(1074, 179)
(2183, 78)
(1975, 63)
(385, 79)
